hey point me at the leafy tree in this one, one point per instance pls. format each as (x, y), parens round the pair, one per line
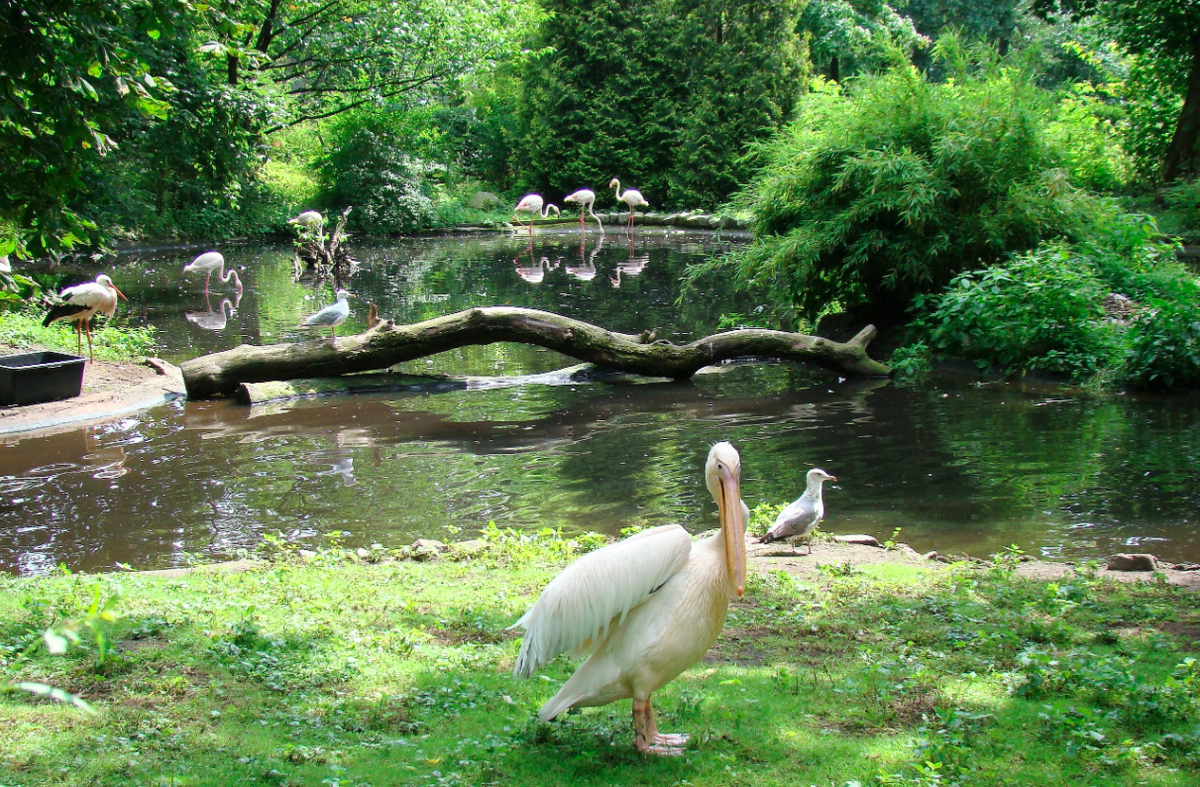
(665, 94)
(994, 21)
(330, 56)
(1164, 36)
(896, 185)
(371, 168)
(852, 36)
(72, 71)
(1167, 32)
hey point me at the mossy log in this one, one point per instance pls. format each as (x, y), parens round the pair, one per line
(388, 344)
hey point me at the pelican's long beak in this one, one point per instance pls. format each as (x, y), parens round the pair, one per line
(733, 528)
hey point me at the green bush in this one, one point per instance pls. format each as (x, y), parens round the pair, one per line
(895, 185)
(1042, 309)
(1045, 310)
(1164, 345)
(372, 167)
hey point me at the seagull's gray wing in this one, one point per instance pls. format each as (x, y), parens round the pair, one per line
(330, 315)
(798, 519)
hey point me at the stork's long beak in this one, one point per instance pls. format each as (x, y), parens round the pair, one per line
(118, 292)
(733, 528)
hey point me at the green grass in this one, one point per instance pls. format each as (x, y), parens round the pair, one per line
(23, 330)
(342, 672)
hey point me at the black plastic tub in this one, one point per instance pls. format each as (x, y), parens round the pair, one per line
(30, 378)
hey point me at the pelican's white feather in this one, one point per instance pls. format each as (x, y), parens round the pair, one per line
(597, 590)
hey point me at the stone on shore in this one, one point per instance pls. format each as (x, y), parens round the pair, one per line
(1124, 561)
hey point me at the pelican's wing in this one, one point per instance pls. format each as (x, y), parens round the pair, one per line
(599, 588)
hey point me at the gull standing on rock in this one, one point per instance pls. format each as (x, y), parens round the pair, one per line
(800, 518)
(331, 316)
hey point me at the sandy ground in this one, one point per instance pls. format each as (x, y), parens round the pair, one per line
(763, 557)
(109, 390)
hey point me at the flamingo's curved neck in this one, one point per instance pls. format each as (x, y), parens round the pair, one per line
(546, 210)
(618, 189)
(231, 274)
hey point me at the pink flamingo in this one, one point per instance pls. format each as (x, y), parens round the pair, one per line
(532, 204)
(631, 197)
(586, 199)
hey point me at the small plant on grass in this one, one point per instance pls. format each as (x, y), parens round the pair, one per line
(58, 639)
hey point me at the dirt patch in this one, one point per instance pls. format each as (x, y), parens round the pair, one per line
(1189, 632)
(766, 558)
(110, 390)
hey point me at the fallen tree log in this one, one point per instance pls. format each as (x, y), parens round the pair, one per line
(387, 344)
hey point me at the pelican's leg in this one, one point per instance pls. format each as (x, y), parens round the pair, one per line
(649, 740)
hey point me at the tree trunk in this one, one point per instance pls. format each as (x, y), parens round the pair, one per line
(220, 374)
(1180, 161)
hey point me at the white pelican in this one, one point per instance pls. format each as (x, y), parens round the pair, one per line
(211, 261)
(532, 204)
(631, 197)
(800, 518)
(331, 316)
(586, 199)
(646, 608)
(81, 303)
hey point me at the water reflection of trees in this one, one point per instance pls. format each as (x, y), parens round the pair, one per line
(1099, 470)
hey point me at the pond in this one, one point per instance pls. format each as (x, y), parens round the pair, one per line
(957, 465)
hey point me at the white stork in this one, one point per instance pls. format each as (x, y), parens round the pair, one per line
(82, 302)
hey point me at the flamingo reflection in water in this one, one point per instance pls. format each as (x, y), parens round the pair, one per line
(586, 269)
(534, 274)
(631, 267)
(211, 320)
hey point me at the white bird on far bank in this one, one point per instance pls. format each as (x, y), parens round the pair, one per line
(309, 218)
(586, 198)
(631, 197)
(211, 261)
(801, 517)
(532, 204)
(331, 316)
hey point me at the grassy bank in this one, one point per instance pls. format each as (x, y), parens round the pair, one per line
(24, 332)
(342, 671)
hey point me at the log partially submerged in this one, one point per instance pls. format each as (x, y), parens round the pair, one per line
(388, 344)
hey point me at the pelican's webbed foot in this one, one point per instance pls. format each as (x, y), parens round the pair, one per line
(647, 738)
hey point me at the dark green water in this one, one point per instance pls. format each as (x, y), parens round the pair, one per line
(957, 465)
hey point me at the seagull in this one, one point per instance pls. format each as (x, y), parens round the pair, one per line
(800, 518)
(331, 316)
